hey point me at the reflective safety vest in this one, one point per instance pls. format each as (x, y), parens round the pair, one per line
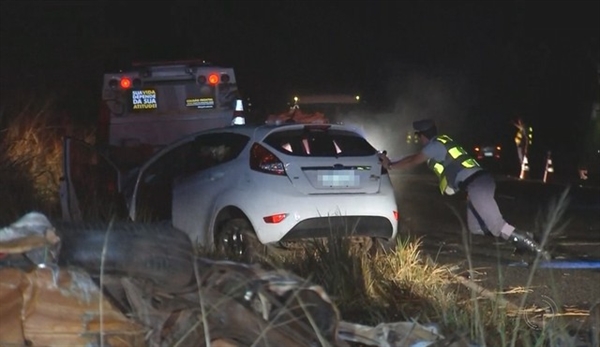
(456, 160)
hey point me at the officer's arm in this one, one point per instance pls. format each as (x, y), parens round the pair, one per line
(408, 161)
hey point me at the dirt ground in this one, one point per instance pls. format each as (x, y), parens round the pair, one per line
(562, 295)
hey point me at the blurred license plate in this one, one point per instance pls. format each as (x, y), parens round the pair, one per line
(488, 154)
(338, 178)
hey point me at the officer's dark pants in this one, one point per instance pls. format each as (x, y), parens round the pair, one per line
(483, 214)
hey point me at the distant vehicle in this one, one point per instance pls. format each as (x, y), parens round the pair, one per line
(231, 187)
(489, 156)
(486, 151)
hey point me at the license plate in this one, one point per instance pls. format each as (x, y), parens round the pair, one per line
(338, 179)
(488, 154)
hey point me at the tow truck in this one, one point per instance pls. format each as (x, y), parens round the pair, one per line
(144, 108)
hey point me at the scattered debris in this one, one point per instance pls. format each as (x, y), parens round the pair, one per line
(159, 297)
(36, 312)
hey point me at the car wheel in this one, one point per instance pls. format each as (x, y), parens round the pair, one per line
(236, 239)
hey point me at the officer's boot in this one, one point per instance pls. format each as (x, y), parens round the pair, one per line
(525, 241)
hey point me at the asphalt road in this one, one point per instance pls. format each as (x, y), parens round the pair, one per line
(561, 295)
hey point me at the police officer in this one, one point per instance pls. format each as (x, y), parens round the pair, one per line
(457, 171)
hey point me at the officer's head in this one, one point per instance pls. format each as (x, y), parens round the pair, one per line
(425, 127)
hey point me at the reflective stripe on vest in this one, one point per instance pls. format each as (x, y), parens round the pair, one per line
(456, 159)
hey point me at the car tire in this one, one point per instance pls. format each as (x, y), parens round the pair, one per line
(236, 239)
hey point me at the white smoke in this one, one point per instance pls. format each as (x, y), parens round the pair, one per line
(444, 98)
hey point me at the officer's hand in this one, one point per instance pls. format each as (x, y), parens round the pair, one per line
(385, 161)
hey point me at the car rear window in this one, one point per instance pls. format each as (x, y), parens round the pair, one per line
(320, 142)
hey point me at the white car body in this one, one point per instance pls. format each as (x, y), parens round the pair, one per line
(258, 180)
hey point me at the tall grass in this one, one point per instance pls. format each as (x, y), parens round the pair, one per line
(31, 159)
(399, 285)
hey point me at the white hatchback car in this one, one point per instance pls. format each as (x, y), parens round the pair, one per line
(228, 187)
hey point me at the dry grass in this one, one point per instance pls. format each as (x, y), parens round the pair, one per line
(31, 159)
(370, 288)
(405, 284)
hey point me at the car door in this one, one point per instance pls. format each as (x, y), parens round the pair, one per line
(209, 173)
(153, 192)
(91, 187)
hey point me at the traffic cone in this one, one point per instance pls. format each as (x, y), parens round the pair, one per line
(238, 114)
(549, 167)
(524, 167)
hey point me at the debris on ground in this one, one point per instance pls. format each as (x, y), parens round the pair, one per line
(228, 304)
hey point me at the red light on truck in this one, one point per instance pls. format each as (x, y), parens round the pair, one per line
(213, 78)
(125, 83)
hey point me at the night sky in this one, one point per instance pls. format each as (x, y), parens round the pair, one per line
(473, 66)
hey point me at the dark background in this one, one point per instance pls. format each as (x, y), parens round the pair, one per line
(473, 66)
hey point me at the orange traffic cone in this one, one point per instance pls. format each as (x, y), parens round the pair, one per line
(549, 167)
(238, 114)
(524, 167)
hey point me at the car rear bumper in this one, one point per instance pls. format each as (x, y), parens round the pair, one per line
(344, 226)
(309, 216)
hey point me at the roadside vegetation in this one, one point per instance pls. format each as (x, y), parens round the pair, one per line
(399, 285)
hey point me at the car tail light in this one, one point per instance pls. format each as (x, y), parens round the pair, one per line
(261, 159)
(276, 218)
(396, 215)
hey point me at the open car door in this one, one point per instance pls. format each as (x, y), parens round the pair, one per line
(91, 187)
